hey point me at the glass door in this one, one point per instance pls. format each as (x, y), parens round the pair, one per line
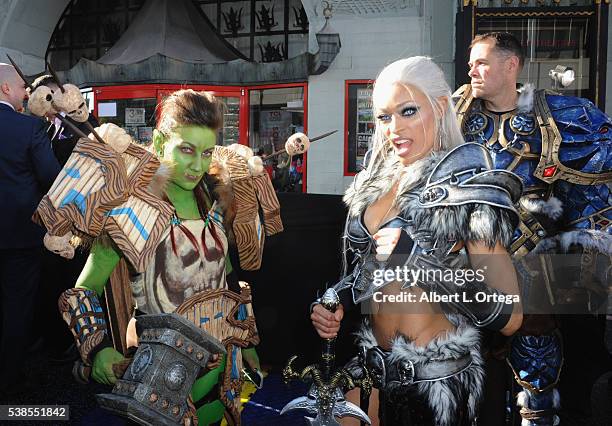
(130, 107)
(275, 113)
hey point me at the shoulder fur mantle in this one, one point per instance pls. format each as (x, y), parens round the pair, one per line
(469, 222)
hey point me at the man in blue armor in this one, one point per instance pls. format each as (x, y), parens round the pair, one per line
(561, 148)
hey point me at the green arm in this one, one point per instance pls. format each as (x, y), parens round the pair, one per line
(98, 268)
(228, 265)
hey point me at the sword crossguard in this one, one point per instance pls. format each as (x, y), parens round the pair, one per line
(365, 383)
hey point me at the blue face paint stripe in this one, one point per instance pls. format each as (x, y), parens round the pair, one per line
(132, 216)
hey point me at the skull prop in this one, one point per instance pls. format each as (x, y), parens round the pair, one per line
(72, 102)
(60, 245)
(115, 136)
(40, 101)
(298, 143)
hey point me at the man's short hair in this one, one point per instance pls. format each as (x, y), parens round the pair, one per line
(504, 42)
(43, 80)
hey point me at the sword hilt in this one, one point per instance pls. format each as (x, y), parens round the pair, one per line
(329, 301)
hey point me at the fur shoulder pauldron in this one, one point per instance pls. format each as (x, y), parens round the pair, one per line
(454, 196)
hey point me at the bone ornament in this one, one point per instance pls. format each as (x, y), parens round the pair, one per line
(41, 101)
(114, 136)
(60, 244)
(71, 101)
(298, 143)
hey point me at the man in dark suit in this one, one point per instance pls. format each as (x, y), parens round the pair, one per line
(27, 170)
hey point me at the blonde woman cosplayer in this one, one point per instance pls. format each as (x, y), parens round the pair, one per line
(428, 223)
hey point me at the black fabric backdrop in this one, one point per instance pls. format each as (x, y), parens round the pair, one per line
(297, 265)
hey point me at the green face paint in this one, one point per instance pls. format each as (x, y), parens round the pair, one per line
(189, 148)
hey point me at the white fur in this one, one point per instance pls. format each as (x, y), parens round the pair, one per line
(556, 398)
(590, 238)
(553, 207)
(525, 100)
(255, 165)
(114, 136)
(523, 398)
(439, 394)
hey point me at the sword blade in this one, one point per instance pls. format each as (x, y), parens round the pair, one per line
(301, 403)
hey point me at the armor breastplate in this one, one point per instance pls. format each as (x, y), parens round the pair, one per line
(557, 143)
(463, 178)
(513, 139)
(361, 243)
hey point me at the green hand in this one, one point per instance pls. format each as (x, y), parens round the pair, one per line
(102, 370)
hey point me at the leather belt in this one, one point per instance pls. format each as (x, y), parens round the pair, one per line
(404, 372)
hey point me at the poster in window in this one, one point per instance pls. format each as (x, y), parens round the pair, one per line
(274, 128)
(360, 125)
(145, 135)
(134, 116)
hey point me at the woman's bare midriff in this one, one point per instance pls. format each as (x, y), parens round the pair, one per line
(418, 322)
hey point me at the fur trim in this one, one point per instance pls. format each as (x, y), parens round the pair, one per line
(523, 400)
(590, 238)
(160, 179)
(219, 179)
(469, 222)
(524, 103)
(442, 395)
(364, 336)
(553, 207)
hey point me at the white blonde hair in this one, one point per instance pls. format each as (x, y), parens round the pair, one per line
(421, 73)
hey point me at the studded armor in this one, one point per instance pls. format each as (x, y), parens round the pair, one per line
(562, 148)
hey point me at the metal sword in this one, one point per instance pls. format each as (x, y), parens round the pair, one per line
(325, 399)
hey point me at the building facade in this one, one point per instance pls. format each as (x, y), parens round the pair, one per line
(267, 59)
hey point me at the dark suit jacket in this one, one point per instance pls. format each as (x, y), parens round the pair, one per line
(27, 170)
(64, 141)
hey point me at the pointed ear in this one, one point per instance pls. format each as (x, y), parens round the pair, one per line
(158, 142)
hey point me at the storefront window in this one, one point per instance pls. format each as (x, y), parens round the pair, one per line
(136, 116)
(548, 42)
(230, 133)
(359, 124)
(275, 114)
